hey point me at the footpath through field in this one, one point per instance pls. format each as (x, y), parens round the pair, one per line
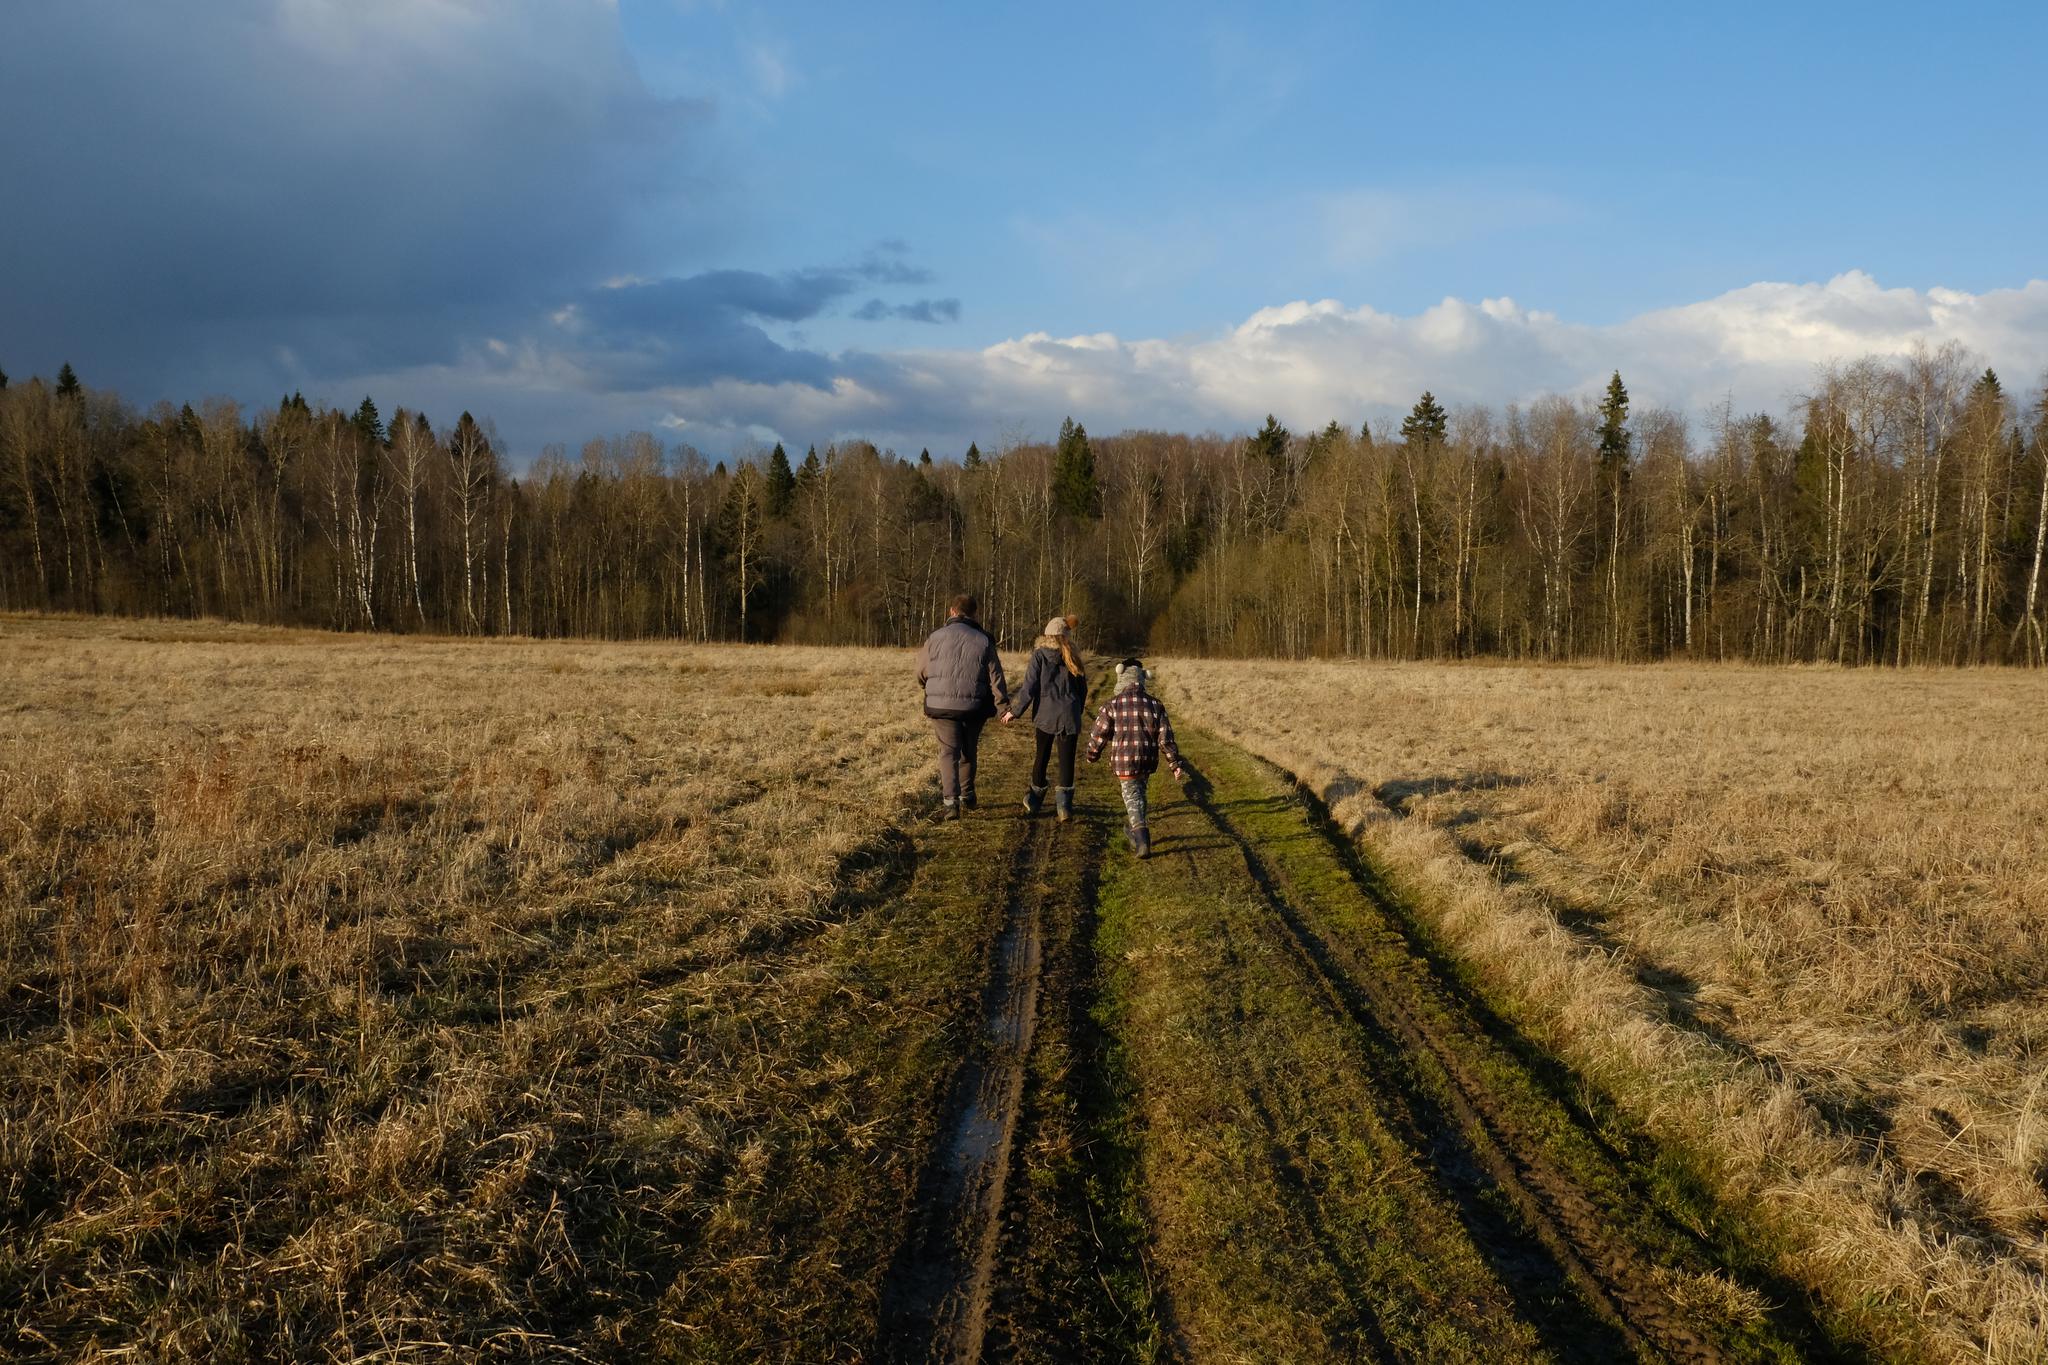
(1224, 1104)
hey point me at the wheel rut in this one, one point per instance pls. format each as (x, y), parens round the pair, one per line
(935, 1306)
(1306, 1132)
(1492, 1131)
(1472, 1149)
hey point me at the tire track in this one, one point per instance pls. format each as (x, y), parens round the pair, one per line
(935, 1304)
(1297, 1190)
(1479, 1137)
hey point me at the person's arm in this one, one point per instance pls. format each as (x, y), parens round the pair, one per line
(998, 687)
(1167, 747)
(1027, 695)
(1105, 726)
(924, 660)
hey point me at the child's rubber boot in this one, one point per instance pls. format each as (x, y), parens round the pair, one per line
(1063, 803)
(1141, 841)
(1033, 799)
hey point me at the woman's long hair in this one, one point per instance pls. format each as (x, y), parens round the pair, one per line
(1069, 655)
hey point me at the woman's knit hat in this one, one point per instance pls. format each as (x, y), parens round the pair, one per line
(1056, 626)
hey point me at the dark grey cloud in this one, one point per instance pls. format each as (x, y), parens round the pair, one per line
(698, 328)
(790, 296)
(206, 196)
(923, 310)
(423, 200)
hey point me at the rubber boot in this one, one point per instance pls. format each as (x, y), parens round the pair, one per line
(1034, 798)
(1063, 803)
(1141, 840)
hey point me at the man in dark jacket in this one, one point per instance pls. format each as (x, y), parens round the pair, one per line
(963, 685)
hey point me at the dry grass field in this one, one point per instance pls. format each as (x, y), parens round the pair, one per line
(397, 999)
(1795, 921)
(365, 998)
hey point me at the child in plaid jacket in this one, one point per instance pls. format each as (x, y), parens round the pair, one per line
(1134, 725)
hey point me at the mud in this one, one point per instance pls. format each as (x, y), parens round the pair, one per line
(936, 1304)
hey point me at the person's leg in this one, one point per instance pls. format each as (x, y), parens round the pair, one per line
(1133, 789)
(1040, 756)
(1034, 797)
(970, 747)
(1063, 799)
(1134, 802)
(948, 732)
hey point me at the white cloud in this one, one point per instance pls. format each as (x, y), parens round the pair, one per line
(773, 76)
(1309, 362)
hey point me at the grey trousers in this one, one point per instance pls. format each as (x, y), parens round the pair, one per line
(959, 742)
(1133, 789)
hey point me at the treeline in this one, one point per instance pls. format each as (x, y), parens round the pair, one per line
(1898, 516)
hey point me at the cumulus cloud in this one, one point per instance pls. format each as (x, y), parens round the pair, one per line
(1757, 346)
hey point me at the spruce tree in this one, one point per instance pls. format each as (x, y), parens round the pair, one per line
(67, 382)
(1269, 446)
(973, 460)
(1614, 436)
(3, 379)
(808, 475)
(1073, 473)
(368, 423)
(924, 458)
(1427, 423)
(781, 487)
(1613, 476)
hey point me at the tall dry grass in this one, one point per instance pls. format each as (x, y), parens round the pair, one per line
(409, 999)
(1795, 920)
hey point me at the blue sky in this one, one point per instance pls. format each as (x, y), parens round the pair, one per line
(1158, 168)
(929, 223)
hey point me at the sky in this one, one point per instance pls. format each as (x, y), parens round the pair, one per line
(929, 224)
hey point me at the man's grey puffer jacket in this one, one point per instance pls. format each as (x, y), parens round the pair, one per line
(961, 675)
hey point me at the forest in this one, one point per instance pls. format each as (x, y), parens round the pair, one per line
(1896, 515)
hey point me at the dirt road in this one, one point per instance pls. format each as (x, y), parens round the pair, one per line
(1227, 1105)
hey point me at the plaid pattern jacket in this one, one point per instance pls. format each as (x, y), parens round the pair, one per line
(1134, 726)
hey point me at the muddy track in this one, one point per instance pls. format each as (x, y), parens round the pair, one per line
(935, 1306)
(1002, 1251)
(1614, 1281)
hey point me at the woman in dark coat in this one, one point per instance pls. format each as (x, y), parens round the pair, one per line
(1056, 684)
